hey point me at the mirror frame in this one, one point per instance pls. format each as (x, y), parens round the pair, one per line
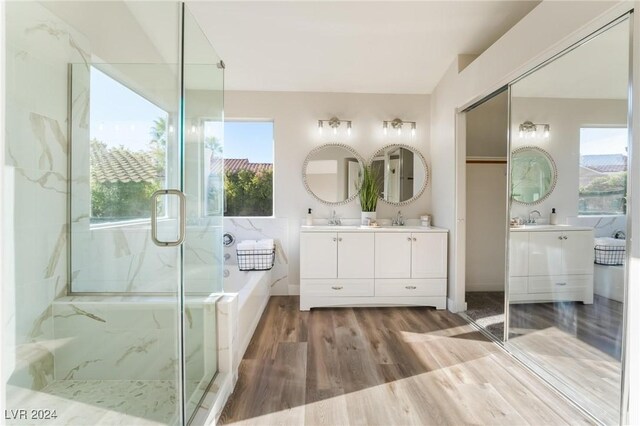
(554, 174)
(424, 164)
(318, 149)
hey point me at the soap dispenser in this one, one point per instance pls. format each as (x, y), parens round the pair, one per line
(309, 218)
(553, 217)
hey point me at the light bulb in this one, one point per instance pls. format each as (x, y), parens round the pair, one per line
(320, 127)
(385, 128)
(399, 131)
(413, 130)
(335, 131)
(171, 128)
(193, 129)
(546, 131)
(349, 128)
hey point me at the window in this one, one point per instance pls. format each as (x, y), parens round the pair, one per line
(128, 148)
(603, 171)
(248, 169)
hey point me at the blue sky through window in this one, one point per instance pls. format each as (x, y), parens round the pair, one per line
(118, 115)
(603, 140)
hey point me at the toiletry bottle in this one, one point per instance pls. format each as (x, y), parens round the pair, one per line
(553, 217)
(309, 218)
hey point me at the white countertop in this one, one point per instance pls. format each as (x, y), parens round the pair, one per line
(359, 228)
(549, 228)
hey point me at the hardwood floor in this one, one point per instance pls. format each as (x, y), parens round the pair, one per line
(578, 344)
(383, 366)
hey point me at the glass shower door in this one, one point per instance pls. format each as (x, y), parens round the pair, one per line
(202, 109)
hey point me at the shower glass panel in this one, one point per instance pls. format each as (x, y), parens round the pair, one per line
(566, 280)
(202, 93)
(105, 106)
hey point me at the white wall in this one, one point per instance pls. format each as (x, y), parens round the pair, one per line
(295, 117)
(4, 362)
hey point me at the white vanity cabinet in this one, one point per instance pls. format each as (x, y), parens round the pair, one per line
(551, 264)
(373, 267)
(336, 255)
(411, 255)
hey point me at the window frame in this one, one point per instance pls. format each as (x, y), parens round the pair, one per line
(224, 181)
(626, 189)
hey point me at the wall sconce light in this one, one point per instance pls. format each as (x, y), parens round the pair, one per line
(529, 129)
(397, 124)
(334, 123)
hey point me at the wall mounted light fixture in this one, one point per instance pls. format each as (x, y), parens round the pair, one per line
(529, 129)
(334, 123)
(397, 124)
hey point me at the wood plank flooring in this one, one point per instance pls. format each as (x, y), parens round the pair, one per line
(383, 366)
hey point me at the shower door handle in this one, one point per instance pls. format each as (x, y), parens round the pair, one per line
(181, 219)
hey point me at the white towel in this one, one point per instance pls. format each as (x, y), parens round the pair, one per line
(266, 244)
(247, 245)
(610, 242)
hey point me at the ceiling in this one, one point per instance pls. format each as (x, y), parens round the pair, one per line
(357, 47)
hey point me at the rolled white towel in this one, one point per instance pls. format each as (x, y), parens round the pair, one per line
(610, 242)
(266, 244)
(247, 245)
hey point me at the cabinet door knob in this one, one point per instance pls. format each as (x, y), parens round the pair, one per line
(560, 237)
(335, 239)
(339, 238)
(565, 237)
(410, 287)
(408, 238)
(414, 239)
(336, 287)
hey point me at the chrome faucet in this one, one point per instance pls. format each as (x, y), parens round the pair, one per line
(533, 221)
(334, 220)
(399, 220)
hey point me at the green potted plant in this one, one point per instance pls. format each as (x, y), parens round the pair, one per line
(369, 188)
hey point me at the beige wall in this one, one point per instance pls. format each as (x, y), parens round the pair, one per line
(486, 200)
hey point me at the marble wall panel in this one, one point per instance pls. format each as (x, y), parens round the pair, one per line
(261, 228)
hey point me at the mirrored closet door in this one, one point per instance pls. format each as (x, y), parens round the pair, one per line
(568, 219)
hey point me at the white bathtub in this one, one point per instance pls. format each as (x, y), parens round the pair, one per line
(253, 291)
(608, 281)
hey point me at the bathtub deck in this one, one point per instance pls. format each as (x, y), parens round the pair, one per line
(383, 366)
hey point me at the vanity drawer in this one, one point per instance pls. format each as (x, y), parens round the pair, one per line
(354, 287)
(411, 287)
(559, 283)
(518, 285)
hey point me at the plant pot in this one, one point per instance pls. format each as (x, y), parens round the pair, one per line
(367, 218)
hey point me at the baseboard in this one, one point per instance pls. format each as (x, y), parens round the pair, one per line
(456, 307)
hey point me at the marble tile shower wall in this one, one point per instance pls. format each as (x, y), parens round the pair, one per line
(260, 228)
(39, 47)
(141, 336)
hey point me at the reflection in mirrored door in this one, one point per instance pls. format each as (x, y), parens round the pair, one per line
(486, 199)
(566, 268)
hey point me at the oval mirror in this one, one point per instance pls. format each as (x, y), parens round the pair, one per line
(403, 173)
(331, 173)
(533, 175)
